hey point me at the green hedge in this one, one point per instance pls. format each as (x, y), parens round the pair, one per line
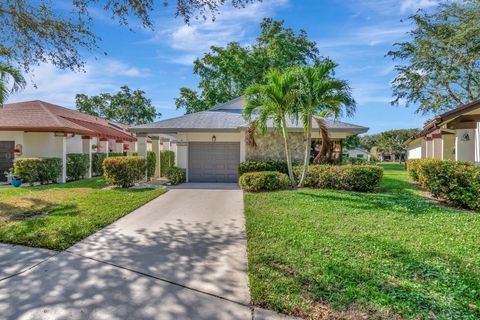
(457, 182)
(116, 154)
(43, 170)
(352, 160)
(257, 166)
(175, 175)
(77, 166)
(167, 160)
(151, 163)
(363, 178)
(124, 171)
(97, 163)
(264, 181)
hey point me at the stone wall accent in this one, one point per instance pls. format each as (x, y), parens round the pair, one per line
(270, 147)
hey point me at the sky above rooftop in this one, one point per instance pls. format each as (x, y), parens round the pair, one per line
(355, 34)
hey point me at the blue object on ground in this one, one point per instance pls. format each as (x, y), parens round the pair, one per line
(16, 183)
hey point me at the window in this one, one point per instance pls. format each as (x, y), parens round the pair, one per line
(359, 155)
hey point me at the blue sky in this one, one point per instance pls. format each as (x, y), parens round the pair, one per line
(355, 34)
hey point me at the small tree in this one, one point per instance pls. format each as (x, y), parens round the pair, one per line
(11, 80)
(274, 101)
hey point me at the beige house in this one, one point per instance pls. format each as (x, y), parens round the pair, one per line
(454, 135)
(41, 129)
(209, 145)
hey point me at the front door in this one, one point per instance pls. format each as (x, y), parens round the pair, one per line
(6, 157)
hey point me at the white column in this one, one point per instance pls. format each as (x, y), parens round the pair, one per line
(477, 144)
(87, 149)
(61, 142)
(156, 149)
(119, 146)
(142, 144)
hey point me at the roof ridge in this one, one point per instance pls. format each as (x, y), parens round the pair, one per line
(55, 117)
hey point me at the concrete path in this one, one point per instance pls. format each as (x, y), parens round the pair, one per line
(181, 256)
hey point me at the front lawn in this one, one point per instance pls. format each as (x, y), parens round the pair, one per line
(393, 255)
(56, 216)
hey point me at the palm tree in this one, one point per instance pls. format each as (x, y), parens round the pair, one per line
(9, 74)
(320, 96)
(273, 101)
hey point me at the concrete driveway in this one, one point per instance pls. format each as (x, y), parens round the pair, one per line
(181, 256)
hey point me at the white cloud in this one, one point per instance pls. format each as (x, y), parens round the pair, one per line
(59, 86)
(231, 24)
(414, 5)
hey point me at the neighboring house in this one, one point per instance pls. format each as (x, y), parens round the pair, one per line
(359, 153)
(454, 135)
(41, 129)
(209, 145)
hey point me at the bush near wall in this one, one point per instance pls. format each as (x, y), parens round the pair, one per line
(257, 166)
(363, 178)
(97, 163)
(43, 170)
(124, 171)
(77, 166)
(175, 175)
(457, 182)
(116, 154)
(264, 181)
(167, 160)
(151, 163)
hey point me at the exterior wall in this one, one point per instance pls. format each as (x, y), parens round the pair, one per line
(429, 149)
(414, 150)
(358, 154)
(448, 148)
(465, 150)
(437, 150)
(74, 144)
(271, 146)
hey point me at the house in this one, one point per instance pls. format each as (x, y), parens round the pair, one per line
(454, 135)
(209, 145)
(41, 129)
(358, 153)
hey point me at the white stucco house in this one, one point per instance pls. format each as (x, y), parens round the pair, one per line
(209, 145)
(41, 129)
(359, 153)
(454, 135)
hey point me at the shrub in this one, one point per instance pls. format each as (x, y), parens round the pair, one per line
(352, 160)
(151, 163)
(457, 182)
(175, 175)
(264, 181)
(124, 171)
(257, 166)
(43, 170)
(347, 177)
(167, 160)
(77, 165)
(97, 163)
(116, 154)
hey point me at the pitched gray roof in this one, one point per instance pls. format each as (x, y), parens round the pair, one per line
(218, 119)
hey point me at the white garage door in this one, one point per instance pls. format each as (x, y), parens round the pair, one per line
(213, 161)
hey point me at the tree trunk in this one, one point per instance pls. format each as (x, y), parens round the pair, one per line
(325, 142)
(308, 146)
(287, 152)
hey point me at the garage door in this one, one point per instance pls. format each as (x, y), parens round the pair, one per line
(213, 161)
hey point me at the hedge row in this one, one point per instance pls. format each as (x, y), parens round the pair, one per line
(457, 182)
(175, 175)
(97, 163)
(77, 166)
(257, 166)
(151, 163)
(264, 181)
(43, 170)
(167, 160)
(124, 171)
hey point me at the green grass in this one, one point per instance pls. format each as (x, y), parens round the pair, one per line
(374, 255)
(56, 216)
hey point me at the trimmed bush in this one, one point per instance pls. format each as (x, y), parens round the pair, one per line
(264, 181)
(151, 163)
(43, 170)
(457, 182)
(97, 163)
(175, 175)
(362, 178)
(77, 166)
(355, 161)
(124, 171)
(116, 154)
(167, 160)
(257, 166)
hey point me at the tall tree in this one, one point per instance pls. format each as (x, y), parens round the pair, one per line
(320, 94)
(391, 141)
(11, 80)
(352, 142)
(442, 59)
(273, 101)
(226, 72)
(32, 32)
(126, 106)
